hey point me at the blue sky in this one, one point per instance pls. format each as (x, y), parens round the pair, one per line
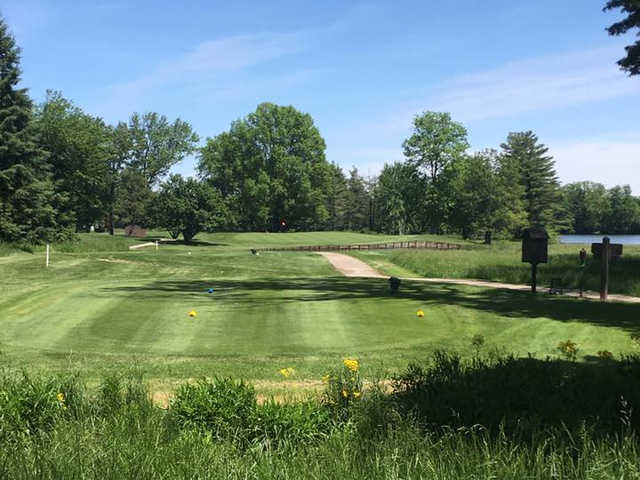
(361, 69)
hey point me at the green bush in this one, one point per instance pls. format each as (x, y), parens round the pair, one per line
(223, 406)
(128, 391)
(291, 424)
(31, 404)
(519, 395)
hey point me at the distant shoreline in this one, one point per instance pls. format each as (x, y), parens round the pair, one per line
(582, 239)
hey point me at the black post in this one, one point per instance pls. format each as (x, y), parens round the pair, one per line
(604, 270)
(534, 271)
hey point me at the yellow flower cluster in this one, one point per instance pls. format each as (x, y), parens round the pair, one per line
(287, 372)
(355, 394)
(351, 364)
(60, 397)
(568, 347)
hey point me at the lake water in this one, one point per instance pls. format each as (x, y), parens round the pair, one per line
(623, 239)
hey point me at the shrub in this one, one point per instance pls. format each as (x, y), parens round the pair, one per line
(277, 424)
(123, 391)
(31, 404)
(223, 406)
(524, 395)
(477, 342)
(568, 349)
(344, 385)
(135, 231)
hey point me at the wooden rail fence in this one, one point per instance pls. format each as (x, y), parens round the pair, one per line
(365, 246)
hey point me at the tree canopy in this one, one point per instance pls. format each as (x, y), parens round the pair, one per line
(29, 206)
(272, 166)
(537, 176)
(187, 207)
(631, 62)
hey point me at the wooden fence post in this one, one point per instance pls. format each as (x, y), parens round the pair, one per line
(604, 270)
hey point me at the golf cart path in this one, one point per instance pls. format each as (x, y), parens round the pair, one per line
(352, 267)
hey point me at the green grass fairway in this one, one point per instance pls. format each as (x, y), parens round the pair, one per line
(100, 311)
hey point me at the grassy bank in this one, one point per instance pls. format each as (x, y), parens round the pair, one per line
(100, 311)
(501, 262)
(443, 418)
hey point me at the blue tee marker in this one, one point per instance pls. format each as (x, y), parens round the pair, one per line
(210, 290)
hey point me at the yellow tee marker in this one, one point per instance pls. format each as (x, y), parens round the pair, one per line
(192, 313)
(420, 313)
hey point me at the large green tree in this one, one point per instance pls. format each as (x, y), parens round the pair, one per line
(188, 207)
(357, 202)
(156, 144)
(134, 201)
(77, 146)
(398, 196)
(119, 152)
(537, 176)
(631, 62)
(271, 167)
(336, 198)
(29, 206)
(488, 196)
(622, 214)
(436, 144)
(587, 202)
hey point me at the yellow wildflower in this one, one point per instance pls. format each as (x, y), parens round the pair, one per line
(192, 313)
(345, 394)
(356, 394)
(420, 313)
(60, 397)
(325, 378)
(351, 364)
(287, 372)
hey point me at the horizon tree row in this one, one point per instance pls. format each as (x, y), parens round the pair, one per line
(64, 171)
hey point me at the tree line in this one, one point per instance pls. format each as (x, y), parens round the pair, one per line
(63, 171)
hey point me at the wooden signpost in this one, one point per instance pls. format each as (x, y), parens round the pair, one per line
(535, 244)
(607, 251)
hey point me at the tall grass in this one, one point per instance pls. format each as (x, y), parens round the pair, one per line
(502, 262)
(492, 416)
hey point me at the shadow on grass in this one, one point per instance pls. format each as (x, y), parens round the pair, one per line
(624, 273)
(508, 303)
(521, 395)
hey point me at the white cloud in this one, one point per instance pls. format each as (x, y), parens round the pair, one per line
(608, 162)
(208, 64)
(544, 83)
(369, 161)
(536, 84)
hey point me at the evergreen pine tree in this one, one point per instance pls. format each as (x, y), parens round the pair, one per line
(28, 212)
(537, 177)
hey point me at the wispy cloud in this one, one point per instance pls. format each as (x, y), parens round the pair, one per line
(210, 63)
(24, 17)
(536, 84)
(369, 161)
(544, 83)
(611, 162)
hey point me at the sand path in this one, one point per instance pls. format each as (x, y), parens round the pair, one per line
(352, 267)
